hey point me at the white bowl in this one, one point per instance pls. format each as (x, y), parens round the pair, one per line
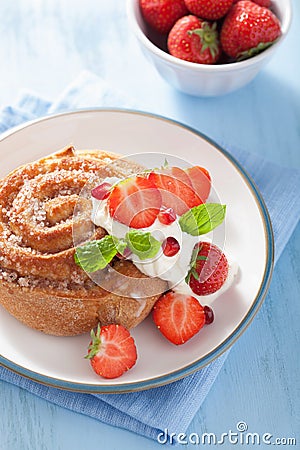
(202, 79)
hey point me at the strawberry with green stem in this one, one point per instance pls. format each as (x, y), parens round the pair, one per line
(209, 269)
(248, 29)
(195, 40)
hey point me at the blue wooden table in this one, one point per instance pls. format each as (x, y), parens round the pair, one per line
(43, 46)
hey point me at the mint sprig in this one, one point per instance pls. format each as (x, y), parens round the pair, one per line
(142, 244)
(202, 218)
(96, 255)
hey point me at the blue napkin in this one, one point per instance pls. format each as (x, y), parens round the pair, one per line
(172, 406)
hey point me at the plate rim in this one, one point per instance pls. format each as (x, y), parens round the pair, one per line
(225, 344)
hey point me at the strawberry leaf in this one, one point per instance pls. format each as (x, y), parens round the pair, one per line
(255, 50)
(195, 273)
(208, 35)
(142, 244)
(202, 218)
(93, 348)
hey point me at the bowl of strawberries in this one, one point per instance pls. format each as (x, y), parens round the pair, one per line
(209, 48)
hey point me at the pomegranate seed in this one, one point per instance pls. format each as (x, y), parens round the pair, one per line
(166, 215)
(126, 254)
(170, 246)
(102, 191)
(209, 315)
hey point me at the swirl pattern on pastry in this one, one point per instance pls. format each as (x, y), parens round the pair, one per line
(37, 265)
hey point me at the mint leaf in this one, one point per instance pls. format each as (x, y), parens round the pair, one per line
(202, 219)
(142, 244)
(166, 164)
(96, 255)
(120, 245)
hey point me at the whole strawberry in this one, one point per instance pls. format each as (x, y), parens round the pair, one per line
(248, 29)
(265, 3)
(162, 14)
(194, 40)
(209, 269)
(211, 10)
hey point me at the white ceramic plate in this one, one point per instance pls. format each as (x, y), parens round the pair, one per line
(58, 361)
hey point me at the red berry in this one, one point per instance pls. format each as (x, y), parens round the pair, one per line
(102, 191)
(194, 40)
(201, 181)
(178, 316)
(175, 193)
(166, 215)
(209, 271)
(265, 3)
(211, 10)
(112, 351)
(135, 202)
(209, 315)
(248, 29)
(126, 253)
(162, 14)
(170, 246)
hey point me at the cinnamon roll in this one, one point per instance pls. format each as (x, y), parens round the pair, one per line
(40, 283)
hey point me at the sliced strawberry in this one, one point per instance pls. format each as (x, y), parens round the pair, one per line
(135, 202)
(175, 193)
(112, 351)
(200, 180)
(177, 173)
(178, 316)
(209, 270)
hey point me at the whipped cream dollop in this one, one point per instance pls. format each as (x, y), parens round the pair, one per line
(172, 269)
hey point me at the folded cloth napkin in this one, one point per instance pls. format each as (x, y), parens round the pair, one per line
(172, 406)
